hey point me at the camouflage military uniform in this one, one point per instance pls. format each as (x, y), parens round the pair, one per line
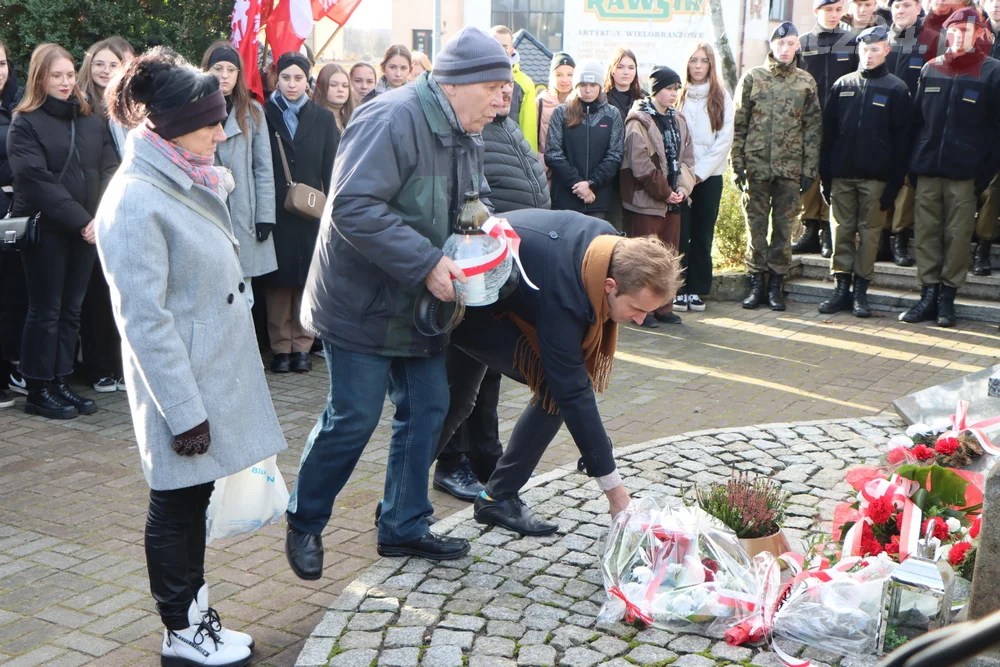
(778, 131)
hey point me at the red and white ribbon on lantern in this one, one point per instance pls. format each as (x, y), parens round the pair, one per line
(898, 491)
(510, 242)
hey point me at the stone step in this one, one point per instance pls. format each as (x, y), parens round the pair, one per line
(811, 290)
(888, 275)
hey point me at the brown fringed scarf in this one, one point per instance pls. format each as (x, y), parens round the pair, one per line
(601, 340)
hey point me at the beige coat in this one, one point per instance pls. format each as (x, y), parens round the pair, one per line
(644, 177)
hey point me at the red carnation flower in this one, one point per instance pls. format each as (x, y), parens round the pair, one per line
(897, 455)
(893, 547)
(710, 564)
(946, 446)
(880, 510)
(958, 552)
(923, 452)
(941, 531)
(974, 528)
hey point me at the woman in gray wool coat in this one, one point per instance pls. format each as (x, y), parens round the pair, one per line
(200, 403)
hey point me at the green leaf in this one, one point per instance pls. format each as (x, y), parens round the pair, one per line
(947, 486)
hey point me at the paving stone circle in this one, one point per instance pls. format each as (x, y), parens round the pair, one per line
(533, 602)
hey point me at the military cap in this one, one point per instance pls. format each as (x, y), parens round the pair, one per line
(874, 35)
(823, 3)
(784, 30)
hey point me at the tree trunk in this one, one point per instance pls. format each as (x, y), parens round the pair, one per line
(725, 52)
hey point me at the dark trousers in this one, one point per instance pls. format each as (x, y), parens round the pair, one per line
(175, 550)
(13, 309)
(57, 271)
(491, 343)
(100, 343)
(477, 439)
(697, 234)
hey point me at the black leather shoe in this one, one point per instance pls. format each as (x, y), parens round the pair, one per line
(378, 515)
(946, 307)
(281, 363)
(305, 554)
(430, 546)
(841, 297)
(825, 241)
(901, 249)
(926, 308)
(756, 291)
(981, 265)
(300, 362)
(45, 401)
(649, 322)
(668, 318)
(512, 514)
(775, 292)
(84, 406)
(460, 483)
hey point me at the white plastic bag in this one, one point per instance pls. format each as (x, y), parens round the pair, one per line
(246, 501)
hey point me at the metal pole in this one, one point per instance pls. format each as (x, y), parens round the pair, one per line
(436, 39)
(328, 42)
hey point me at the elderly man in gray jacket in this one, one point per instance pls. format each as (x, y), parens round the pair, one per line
(404, 161)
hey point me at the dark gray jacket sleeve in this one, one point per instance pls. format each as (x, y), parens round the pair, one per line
(609, 167)
(368, 173)
(563, 172)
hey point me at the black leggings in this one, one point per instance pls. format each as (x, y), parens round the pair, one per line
(175, 550)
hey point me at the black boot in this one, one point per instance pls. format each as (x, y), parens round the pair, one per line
(884, 248)
(901, 248)
(981, 262)
(825, 240)
(756, 291)
(926, 308)
(808, 242)
(946, 307)
(841, 299)
(861, 308)
(45, 401)
(775, 294)
(84, 406)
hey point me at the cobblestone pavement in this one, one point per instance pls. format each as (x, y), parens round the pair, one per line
(533, 601)
(73, 586)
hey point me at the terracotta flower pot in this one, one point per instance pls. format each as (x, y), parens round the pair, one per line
(777, 544)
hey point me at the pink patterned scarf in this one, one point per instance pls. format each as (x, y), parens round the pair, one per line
(200, 168)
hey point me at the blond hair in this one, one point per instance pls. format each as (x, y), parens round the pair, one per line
(645, 262)
(42, 59)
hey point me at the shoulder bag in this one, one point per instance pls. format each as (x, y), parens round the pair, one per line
(300, 199)
(22, 232)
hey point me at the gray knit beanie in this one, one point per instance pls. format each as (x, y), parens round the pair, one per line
(588, 72)
(472, 56)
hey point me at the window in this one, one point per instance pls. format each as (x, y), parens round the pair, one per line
(423, 40)
(781, 10)
(542, 18)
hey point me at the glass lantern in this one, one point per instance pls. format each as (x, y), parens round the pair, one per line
(916, 598)
(469, 242)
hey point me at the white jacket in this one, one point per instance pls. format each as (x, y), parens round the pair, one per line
(711, 149)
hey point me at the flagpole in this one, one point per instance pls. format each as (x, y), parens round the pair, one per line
(328, 42)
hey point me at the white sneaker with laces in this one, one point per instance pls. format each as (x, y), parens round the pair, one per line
(106, 385)
(211, 617)
(199, 646)
(695, 303)
(681, 303)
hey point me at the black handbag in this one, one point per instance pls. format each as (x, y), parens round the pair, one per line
(22, 232)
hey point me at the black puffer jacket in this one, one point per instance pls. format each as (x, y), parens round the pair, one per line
(7, 103)
(512, 169)
(592, 151)
(38, 147)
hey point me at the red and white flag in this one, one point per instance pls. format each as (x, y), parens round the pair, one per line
(337, 11)
(246, 25)
(288, 26)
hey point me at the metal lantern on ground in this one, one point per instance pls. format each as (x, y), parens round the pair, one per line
(916, 598)
(483, 257)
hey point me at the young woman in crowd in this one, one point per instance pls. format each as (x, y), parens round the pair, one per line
(584, 146)
(246, 153)
(13, 293)
(100, 345)
(621, 85)
(307, 134)
(395, 66)
(363, 78)
(560, 86)
(658, 169)
(708, 110)
(62, 157)
(193, 370)
(333, 92)
(421, 64)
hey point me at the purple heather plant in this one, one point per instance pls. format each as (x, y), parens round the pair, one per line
(750, 506)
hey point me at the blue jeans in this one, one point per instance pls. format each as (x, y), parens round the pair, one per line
(418, 387)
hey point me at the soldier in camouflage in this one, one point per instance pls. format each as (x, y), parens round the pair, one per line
(775, 158)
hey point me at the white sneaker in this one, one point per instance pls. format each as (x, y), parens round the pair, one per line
(199, 645)
(18, 384)
(695, 303)
(681, 303)
(121, 385)
(106, 385)
(211, 617)
(6, 400)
